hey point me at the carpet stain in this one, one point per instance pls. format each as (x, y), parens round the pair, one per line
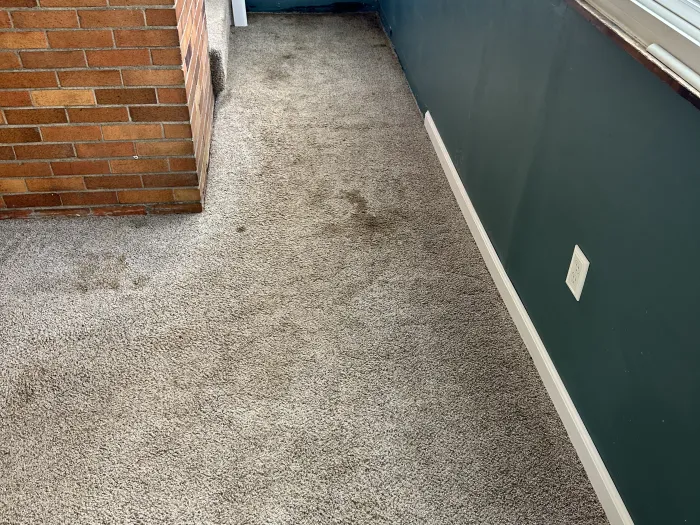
(362, 223)
(277, 75)
(141, 281)
(22, 392)
(138, 222)
(363, 217)
(100, 271)
(355, 197)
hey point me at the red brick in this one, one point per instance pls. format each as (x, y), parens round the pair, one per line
(162, 209)
(113, 182)
(80, 39)
(153, 77)
(73, 3)
(36, 116)
(172, 96)
(158, 149)
(147, 37)
(5, 20)
(118, 57)
(105, 149)
(61, 212)
(108, 77)
(111, 18)
(28, 79)
(161, 17)
(71, 133)
(32, 200)
(9, 60)
(177, 131)
(132, 131)
(88, 198)
(13, 214)
(44, 19)
(159, 114)
(52, 59)
(15, 135)
(6, 153)
(80, 167)
(55, 184)
(126, 96)
(15, 185)
(98, 114)
(17, 3)
(15, 99)
(170, 180)
(63, 97)
(186, 164)
(166, 57)
(23, 40)
(119, 210)
(25, 169)
(140, 2)
(45, 151)
(145, 196)
(139, 166)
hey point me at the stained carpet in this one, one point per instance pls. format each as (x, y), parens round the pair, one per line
(323, 345)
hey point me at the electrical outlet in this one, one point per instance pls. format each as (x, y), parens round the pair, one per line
(578, 269)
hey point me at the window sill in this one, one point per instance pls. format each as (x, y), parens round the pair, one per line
(637, 50)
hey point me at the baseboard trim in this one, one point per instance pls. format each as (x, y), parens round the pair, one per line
(595, 468)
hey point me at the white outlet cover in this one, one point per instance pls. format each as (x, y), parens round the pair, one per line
(578, 269)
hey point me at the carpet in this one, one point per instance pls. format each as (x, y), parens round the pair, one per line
(323, 344)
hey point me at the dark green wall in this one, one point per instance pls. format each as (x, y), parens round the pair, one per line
(561, 138)
(338, 6)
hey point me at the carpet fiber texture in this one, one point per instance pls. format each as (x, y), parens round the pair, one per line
(323, 345)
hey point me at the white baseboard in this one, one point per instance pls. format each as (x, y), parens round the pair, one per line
(595, 468)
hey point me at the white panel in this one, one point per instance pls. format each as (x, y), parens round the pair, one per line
(240, 18)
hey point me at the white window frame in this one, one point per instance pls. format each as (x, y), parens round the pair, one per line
(667, 29)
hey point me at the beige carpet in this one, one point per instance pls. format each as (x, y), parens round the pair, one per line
(323, 345)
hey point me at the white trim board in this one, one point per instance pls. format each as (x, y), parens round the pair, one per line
(595, 468)
(240, 17)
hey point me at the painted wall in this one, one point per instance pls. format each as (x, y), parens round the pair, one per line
(341, 6)
(561, 138)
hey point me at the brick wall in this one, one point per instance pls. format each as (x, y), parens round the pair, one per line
(194, 47)
(101, 111)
